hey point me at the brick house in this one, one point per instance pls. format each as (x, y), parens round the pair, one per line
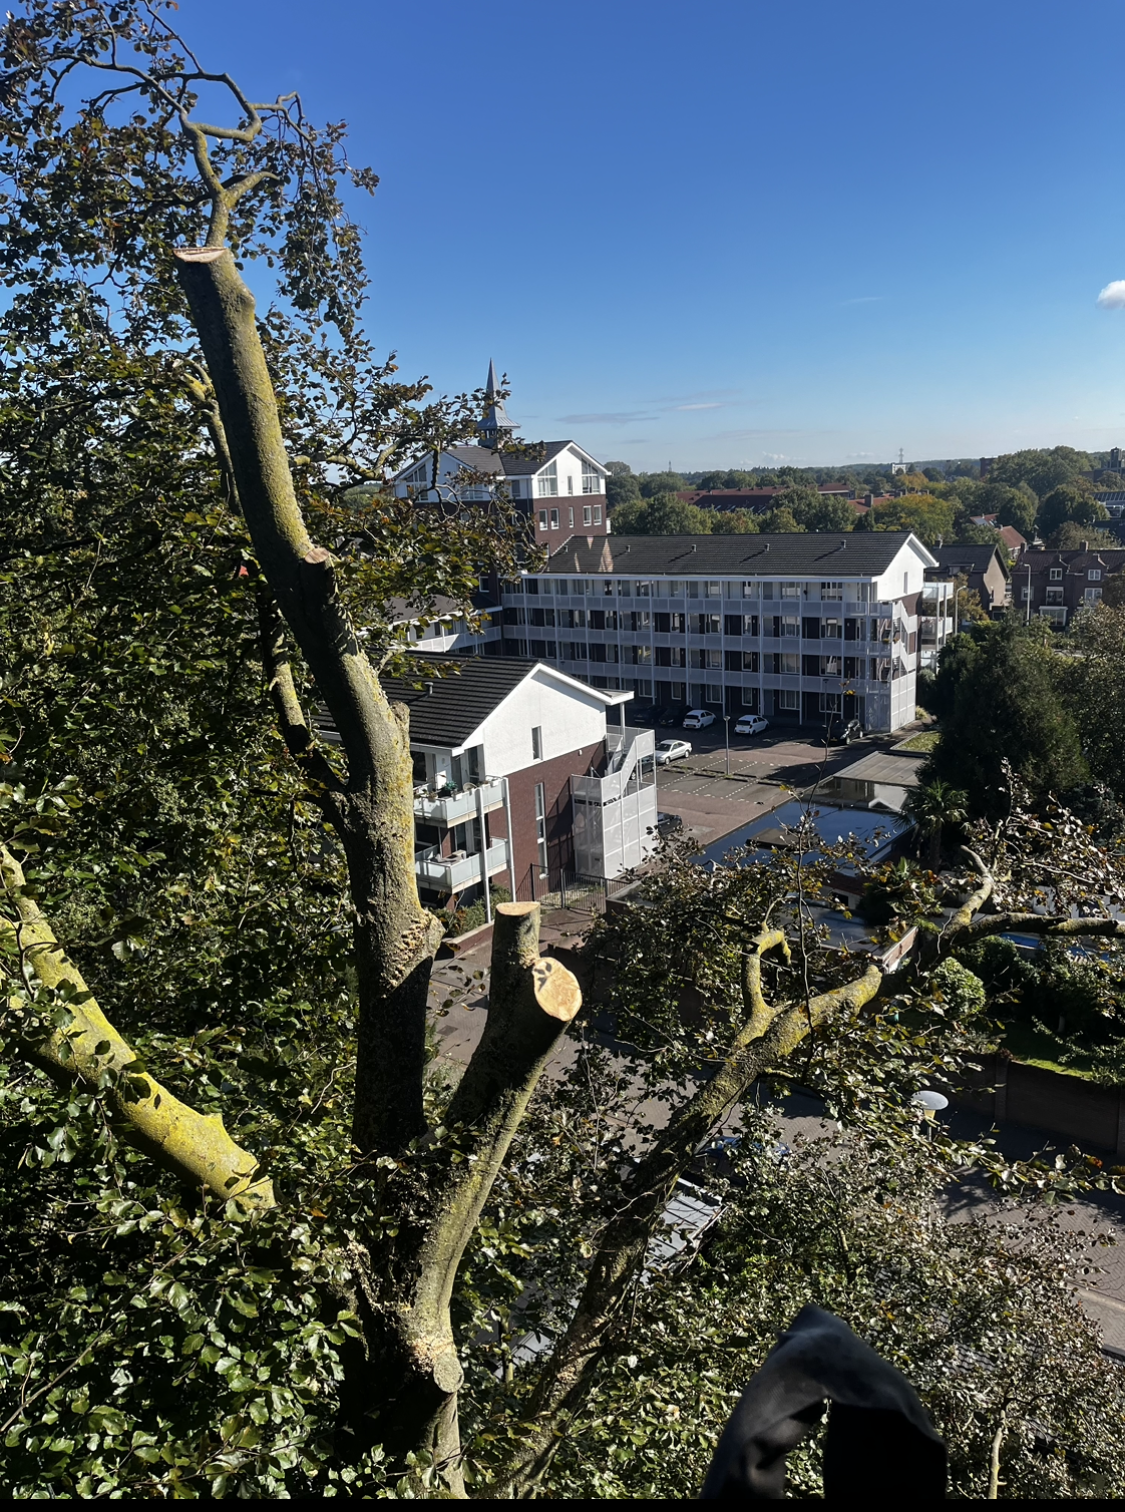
(985, 567)
(518, 779)
(557, 483)
(1056, 584)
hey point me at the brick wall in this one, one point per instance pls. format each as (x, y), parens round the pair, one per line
(555, 776)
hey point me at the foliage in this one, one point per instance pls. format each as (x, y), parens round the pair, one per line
(936, 807)
(996, 697)
(621, 489)
(1041, 470)
(1093, 686)
(653, 484)
(1073, 535)
(930, 518)
(662, 514)
(1068, 503)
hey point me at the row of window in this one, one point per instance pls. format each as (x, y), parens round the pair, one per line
(591, 515)
(1055, 595)
(775, 663)
(752, 588)
(638, 621)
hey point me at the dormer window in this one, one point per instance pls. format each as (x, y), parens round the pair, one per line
(549, 482)
(1056, 574)
(1095, 574)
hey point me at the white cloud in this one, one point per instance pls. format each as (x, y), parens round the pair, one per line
(859, 456)
(1112, 296)
(698, 406)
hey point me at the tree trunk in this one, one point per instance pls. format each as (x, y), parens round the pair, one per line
(395, 938)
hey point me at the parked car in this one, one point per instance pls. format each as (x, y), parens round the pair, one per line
(672, 750)
(648, 716)
(670, 716)
(668, 824)
(698, 719)
(751, 724)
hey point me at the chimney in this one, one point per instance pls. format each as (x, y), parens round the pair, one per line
(694, 546)
(1085, 545)
(429, 690)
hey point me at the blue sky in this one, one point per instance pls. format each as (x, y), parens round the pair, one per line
(734, 232)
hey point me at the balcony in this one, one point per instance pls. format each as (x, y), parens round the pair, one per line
(450, 874)
(448, 808)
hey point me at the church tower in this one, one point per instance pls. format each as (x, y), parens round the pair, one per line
(495, 430)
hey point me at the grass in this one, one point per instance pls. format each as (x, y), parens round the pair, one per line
(1036, 1048)
(925, 740)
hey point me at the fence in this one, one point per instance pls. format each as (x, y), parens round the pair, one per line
(1067, 1105)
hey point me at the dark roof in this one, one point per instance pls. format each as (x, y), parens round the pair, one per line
(1072, 561)
(522, 459)
(824, 553)
(968, 558)
(444, 711)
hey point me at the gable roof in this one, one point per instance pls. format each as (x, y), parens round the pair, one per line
(862, 554)
(970, 558)
(447, 711)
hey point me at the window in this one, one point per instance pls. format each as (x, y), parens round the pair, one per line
(750, 699)
(692, 589)
(714, 658)
(830, 703)
(591, 479)
(1025, 594)
(549, 482)
(541, 826)
(1095, 574)
(713, 590)
(750, 590)
(624, 588)
(830, 629)
(831, 590)
(789, 664)
(515, 488)
(587, 515)
(570, 483)
(537, 742)
(749, 661)
(790, 590)
(790, 624)
(597, 514)
(676, 692)
(542, 519)
(787, 698)
(1056, 574)
(644, 590)
(906, 582)
(570, 517)
(714, 694)
(675, 589)
(554, 519)
(1092, 595)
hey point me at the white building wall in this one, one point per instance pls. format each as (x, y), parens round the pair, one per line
(568, 718)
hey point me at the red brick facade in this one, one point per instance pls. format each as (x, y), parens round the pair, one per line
(555, 776)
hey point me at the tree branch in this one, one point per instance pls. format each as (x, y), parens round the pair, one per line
(299, 739)
(194, 1145)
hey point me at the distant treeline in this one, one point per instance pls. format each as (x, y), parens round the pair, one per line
(1048, 494)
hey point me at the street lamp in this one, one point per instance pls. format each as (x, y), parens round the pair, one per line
(929, 1104)
(726, 726)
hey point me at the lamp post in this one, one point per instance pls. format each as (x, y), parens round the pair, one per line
(726, 727)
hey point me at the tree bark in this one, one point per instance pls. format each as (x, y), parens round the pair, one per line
(195, 1146)
(410, 1365)
(395, 938)
(767, 1036)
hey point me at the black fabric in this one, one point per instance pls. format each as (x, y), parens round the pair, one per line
(879, 1440)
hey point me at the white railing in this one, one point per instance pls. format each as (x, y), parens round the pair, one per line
(451, 873)
(456, 807)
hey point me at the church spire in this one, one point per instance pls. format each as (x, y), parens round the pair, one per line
(495, 429)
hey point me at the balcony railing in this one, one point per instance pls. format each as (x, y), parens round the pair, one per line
(455, 807)
(451, 873)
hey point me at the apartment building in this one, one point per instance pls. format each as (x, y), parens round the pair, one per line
(795, 627)
(1055, 584)
(557, 483)
(518, 779)
(985, 569)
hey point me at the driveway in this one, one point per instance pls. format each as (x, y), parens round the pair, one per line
(712, 801)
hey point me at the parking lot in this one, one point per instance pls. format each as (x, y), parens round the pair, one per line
(762, 768)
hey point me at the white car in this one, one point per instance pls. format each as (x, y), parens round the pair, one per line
(751, 724)
(698, 719)
(672, 750)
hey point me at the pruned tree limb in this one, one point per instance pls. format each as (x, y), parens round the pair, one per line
(322, 781)
(194, 1145)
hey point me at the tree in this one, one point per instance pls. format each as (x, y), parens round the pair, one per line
(664, 514)
(997, 701)
(1093, 687)
(621, 488)
(1041, 470)
(1068, 503)
(660, 483)
(1016, 506)
(285, 1312)
(935, 807)
(930, 519)
(1074, 536)
(816, 511)
(619, 469)
(779, 522)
